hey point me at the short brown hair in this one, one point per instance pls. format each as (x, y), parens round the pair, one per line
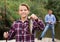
(50, 10)
(23, 4)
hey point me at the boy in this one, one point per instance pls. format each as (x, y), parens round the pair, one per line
(50, 21)
(20, 28)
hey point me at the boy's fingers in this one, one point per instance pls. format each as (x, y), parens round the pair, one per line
(33, 16)
(7, 32)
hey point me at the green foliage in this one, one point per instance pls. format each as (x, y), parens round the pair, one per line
(9, 10)
(55, 6)
(35, 6)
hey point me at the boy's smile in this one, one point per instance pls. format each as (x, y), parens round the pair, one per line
(23, 11)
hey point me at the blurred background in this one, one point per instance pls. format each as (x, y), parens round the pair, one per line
(9, 13)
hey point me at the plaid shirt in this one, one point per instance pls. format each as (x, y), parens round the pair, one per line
(21, 30)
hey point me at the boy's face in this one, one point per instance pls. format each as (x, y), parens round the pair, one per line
(23, 11)
(50, 12)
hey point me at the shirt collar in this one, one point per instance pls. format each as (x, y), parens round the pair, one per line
(19, 20)
(49, 14)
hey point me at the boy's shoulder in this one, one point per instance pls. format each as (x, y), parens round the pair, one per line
(16, 21)
(53, 15)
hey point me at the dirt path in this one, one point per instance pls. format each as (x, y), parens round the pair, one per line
(36, 40)
(46, 40)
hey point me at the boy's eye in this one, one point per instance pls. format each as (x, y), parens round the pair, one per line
(25, 9)
(21, 10)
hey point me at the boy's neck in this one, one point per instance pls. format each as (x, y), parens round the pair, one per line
(23, 19)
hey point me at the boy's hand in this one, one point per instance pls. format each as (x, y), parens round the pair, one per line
(5, 35)
(49, 22)
(33, 16)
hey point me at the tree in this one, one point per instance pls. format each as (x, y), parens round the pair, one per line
(55, 6)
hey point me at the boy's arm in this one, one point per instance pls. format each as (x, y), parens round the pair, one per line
(39, 24)
(11, 32)
(54, 20)
(46, 19)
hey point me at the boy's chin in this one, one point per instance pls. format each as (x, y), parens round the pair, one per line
(24, 16)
